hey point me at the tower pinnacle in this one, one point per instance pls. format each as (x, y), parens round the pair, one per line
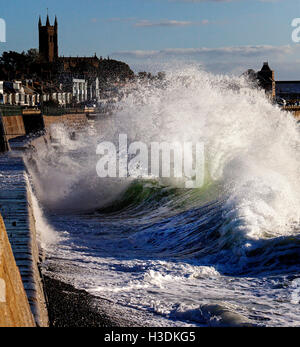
(48, 40)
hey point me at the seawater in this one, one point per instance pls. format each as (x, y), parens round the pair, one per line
(227, 253)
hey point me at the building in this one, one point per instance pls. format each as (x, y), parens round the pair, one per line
(286, 93)
(266, 79)
(17, 93)
(14, 93)
(53, 92)
(48, 41)
(80, 90)
(1, 92)
(70, 63)
(74, 74)
(289, 91)
(94, 89)
(49, 53)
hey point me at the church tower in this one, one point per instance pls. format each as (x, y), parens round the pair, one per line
(266, 78)
(48, 41)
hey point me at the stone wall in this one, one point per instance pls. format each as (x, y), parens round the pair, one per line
(17, 211)
(74, 120)
(14, 126)
(295, 110)
(297, 114)
(14, 307)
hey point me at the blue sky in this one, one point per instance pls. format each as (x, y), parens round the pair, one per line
(223, 36)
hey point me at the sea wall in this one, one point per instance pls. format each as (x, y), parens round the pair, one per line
(294, 109)
(11, 125)
(14, 126)
(77, 120)
(22, 298)
(14, 307)
(16, 123)
(17, 212)
(297, 114)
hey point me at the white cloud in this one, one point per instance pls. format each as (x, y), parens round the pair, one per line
(168, 23)
(238, 51)
(203, 0)
(197, 1)
(231, 59)
(159, 23)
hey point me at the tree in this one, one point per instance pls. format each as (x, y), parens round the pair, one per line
(161, 75)
(33, 55)
(15, 65)
(142, 75)
(114, 70)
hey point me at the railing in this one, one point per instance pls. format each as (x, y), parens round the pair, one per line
(56, 111)
(52, 111)
(7, 110)
(291, 108)
(31, 111)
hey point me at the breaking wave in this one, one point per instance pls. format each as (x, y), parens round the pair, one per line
(243, 221)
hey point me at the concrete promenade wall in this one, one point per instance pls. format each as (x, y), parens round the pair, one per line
(22, 299)
(294, 109)
(14, 307)
(77, 120)
(31, 121)
(17, 212)
(14, 126)
(297, 114)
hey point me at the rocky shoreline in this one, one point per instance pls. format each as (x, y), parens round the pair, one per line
(70, 307)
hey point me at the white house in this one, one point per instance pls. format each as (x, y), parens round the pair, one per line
(19, 96)
(1, 92)
(94, 90)
(80, 89)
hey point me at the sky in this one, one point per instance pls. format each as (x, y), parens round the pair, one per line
(223, 36)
